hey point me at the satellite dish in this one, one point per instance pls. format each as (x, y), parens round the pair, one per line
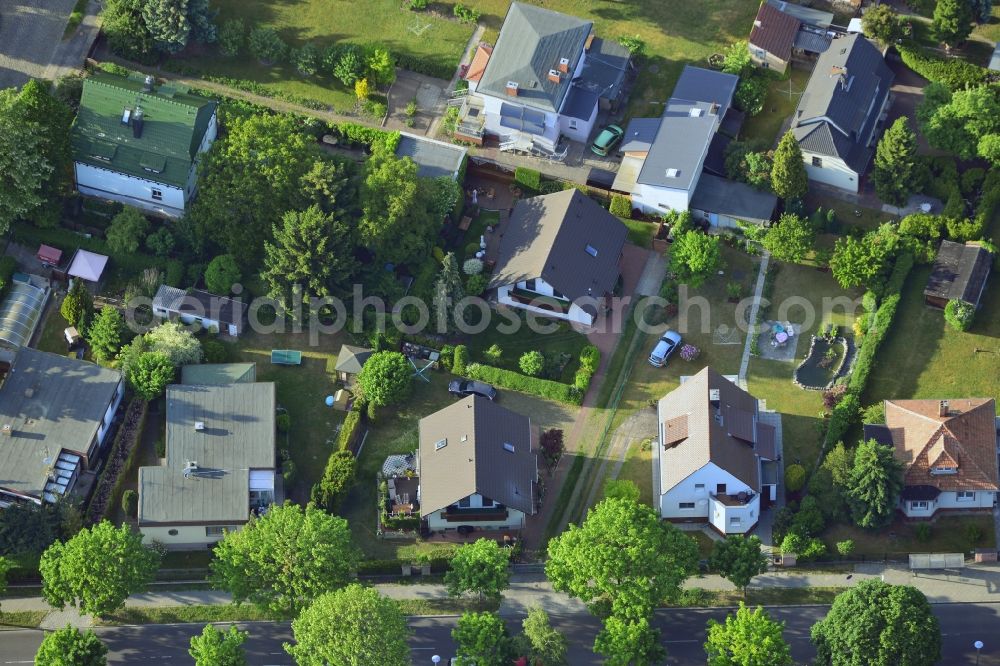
(329, 401)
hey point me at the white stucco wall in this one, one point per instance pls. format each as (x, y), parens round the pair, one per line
(576, 129)
(575, 313)
(652, 199)
(187, 537)
(832, 172)
(138, 192)
(515, 519)
(949, 500)
(767, 60)
(688, 490)
(747, 516)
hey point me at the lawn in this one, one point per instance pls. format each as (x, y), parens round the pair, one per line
(640, 232)
(948, 535)
(301, 390)
(50, 333)
(425, 36)
(29, 619)
(638, 468)
(923, 357)
(798, 296)
(781, 101)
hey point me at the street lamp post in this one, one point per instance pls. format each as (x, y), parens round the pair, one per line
(979, 646)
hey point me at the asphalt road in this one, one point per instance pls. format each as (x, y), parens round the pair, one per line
(30, 32)
(683, 634)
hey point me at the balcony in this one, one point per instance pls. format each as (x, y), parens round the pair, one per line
(478, 515)
(542, 301)
(739, 499)
(471, 125)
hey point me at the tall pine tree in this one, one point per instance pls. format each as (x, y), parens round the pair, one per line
(167, 23)
(311, 249)
(875, 484)
(895, 174)
(447, 292)
(788, 175)
(952, 21)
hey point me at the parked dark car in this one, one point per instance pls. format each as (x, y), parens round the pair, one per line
(466, 387)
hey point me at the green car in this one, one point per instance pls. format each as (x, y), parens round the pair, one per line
(607, 139)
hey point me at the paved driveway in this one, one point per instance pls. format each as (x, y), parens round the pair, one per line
(30, 33)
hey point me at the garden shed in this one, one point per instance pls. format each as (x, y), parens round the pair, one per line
(960, 272)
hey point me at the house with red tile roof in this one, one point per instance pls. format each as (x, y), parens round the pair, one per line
(772, 38)
(949, 452)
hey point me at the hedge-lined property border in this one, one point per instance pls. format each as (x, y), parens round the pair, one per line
(954, 73)
(120, 459)
(543, 388)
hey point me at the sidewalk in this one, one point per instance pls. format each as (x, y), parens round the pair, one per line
(974, 584)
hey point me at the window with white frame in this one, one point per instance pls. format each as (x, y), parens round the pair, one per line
(686, 506)
(219, 530)
(735, 521)
(965, 496)
(699, 486)
(944, 469)
(918, 505)
(157, 194)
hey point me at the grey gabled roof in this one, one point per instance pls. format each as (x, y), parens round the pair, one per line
(639, 135)
(728, 197)
(51, 403)
(686, 128)
(848, 78)
(462, 452)
(960, 271)
(238, 437)
(805, 14)
(547, 237)
(433, 158)
(201, 304)
(723, 431)
(216, 374)
(351, 359)
(531, 42)
(605, 68)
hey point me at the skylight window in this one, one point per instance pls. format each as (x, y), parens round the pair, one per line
(440, 444)
(591, 250)
(508, 447)
(672, 173)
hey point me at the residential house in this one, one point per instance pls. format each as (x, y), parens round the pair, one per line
(841, 112)
(772, 38)
(209, 311)
(665, 157)
(716, 454)
(559, 256)
(949, 453)
(545, 78)
(139, 143)
(350, 360)
(56, 414)
(960, 272)
(808, 16)
(477, 466)
(220, 464)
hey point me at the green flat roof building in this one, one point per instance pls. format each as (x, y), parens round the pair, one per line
(139, 143)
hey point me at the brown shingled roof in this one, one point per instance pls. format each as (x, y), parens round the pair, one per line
(774, 31)
(478, 65)
(964, 437)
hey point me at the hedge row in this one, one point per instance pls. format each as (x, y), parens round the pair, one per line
(527, 178)
(954, 73)
(543, 388)
(348, 431)
(590, 359)
(7, 267)
(424, 65)
(368, 136)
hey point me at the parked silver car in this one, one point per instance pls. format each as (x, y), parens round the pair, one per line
(665, 346)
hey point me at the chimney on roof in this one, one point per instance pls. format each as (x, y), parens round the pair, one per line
(148, 84)
(757, 23)
(564, 65)
(199, 425)
(943, 408)
(554, 76)
(137, 123)
(7, 430)
(511, 88)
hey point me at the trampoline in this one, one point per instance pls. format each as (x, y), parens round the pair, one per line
(286, 357)
(20, 312)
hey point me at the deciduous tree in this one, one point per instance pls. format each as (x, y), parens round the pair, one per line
(791, 239)
(747, 638)
(480, 567)
(874, 485)
(285, 559)
(174, 340)
(311, 251)
(355, 626)
(97, 569)
(878, 624)
(127, 230)
(482, 639)
(952, 21)
(221, 274)
(385, 378)
(123, 24)
(629, 641)
(896, 173)
(738, 559)
(694, 256)
(540, 640)
(217, 648)
(959, 121)
(736, 59)
(788, 175)
(150, 373)
(23, 162)
(105, 334)
(68, 646)
(882, 24)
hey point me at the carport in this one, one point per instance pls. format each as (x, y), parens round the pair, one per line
(20, 312)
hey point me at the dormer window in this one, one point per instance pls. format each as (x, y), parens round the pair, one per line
(440, 444)
(944, 469)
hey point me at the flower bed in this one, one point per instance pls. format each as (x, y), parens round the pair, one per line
(813, 374)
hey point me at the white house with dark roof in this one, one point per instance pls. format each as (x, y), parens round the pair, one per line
(477, 467)
(195, 306)
(559, 256)
(715, 454)
(841, 112)
(545, 78)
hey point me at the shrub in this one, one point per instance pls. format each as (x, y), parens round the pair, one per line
(809, 518)
(475, 285)
(336, 481)
(494, 353)
(283, 421)
(972, 180)
(621, 205)
(552, 447)
(418, 5)
(288, 472)
(349, 65)
(461, 360)
(690, 352)
(349, 430)
(472, 266)
(845, 548)
(959, 314)
(795, 478)
(634, 45)
(232, 37)
(466, 14)
(130, 502)
(955, 73)
(368, 136)
(266, 45)
(307, 59)
(515, 381)
(438, 254)
(527, 178)
(532, 363)
(215, 351)
(922, 532)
